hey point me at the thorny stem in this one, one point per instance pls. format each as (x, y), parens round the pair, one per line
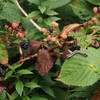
(22, 10)
(25, 59)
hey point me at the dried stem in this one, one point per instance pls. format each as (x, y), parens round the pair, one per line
(22, 10)
(24, 59)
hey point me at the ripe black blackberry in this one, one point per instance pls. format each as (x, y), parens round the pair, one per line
(24, 44)
(50, 30)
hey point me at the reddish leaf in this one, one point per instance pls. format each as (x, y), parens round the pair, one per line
(34, 46)
(69, 28)
(44, 62)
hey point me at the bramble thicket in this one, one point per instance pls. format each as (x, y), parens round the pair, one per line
(49, 49)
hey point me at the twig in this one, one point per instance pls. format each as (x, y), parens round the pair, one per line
(76, 52)
(24, 59)
(22, 10)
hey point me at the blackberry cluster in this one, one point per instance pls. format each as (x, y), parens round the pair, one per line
(24, 44)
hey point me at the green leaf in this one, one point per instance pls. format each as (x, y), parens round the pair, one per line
(27, 25)
(95, 2)
(82, 91)
(42, 9)
(32, 85)
(19, 87)
(3, 32)
(51, 12)
(97, 27)
(33, 14)
(10, 97)
(13, 68)
(26, 98)
(38, 98)
(48, 90)
(94, 59)
(14, 1)
(52, 4)
(50, 19)
(8, 75)
(24, 71)
(79, 70)
(60, 93)
(81, 9)
(14, 95)
(3, 95)
(37, 2)
(11, 13)
(29, 29)
(3, 54)
(1, 4)
(83, 40)
(98, 39)
(17, 66)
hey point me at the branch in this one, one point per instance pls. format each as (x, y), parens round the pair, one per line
(25, 59)
(22, 10)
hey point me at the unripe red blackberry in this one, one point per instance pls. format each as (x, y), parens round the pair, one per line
(44, 30)
(96, 10)
(14, 25)
(20, 35)
(54, 25)
(94, 19)
(63, 36)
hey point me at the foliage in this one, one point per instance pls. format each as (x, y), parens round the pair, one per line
(42, 63)
(72, 69)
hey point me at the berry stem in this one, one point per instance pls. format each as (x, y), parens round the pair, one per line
(22, 10)
(25, 59)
